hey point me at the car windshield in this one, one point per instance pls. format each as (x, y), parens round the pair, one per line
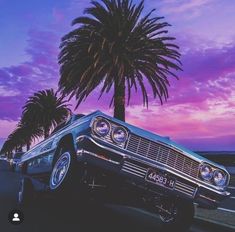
(60, 126)
(77, 116)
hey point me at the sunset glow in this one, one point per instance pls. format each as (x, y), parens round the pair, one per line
(200, 111)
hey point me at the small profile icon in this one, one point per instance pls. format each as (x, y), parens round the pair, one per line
(15, 217)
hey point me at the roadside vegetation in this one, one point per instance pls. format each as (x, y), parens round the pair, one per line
(41, 113)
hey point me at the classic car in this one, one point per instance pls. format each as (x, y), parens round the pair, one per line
(123, 163)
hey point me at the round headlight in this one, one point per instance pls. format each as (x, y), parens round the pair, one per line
(119, 135)
(219, 178)
(206, 172)
(102, 127)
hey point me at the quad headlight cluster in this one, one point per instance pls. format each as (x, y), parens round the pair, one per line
(213, 175)
(103, 128)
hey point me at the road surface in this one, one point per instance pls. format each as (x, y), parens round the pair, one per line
(59, 216)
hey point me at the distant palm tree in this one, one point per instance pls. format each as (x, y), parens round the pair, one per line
(7, 147)
(23, 135)
(41, 112)
(44, 110)
(115, 47)
(27, 134)
(14, 142)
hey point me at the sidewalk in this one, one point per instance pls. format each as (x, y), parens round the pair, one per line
(217, 217)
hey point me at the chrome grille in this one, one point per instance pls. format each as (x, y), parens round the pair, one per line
(163, 154)
(185, 188)
(134, 169)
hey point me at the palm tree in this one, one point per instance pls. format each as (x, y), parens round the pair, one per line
(13, 142)
(23, 135)
(114, 47)
(44, 110)
(26, 134)
(7, 147)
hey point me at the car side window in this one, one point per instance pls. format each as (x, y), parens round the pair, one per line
(60, 126)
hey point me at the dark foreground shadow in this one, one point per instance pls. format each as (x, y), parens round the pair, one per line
(54, 215)
(65, 216)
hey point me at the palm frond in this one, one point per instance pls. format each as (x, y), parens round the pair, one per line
(113, 41)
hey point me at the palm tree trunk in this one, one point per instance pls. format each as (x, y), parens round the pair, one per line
(119, 99)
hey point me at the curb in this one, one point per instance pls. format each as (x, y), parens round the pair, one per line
(224, 227)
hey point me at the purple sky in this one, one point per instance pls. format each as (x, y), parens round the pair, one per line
(200, 112)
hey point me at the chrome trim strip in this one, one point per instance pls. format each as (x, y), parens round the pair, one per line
(185, 190)
(190, 193)
(81, 137)
(184, 186)
(93, 154)
(207, 198)
(198, 182)
(131, 169)
(135, 166)
(132, 173)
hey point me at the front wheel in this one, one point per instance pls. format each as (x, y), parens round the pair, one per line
(176, 215)
(66, 176)
(61, 172)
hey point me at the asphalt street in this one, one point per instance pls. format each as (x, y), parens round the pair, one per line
(59, 216)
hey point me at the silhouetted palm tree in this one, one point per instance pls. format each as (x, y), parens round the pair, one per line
(44, 110)
(7, 147)
(13, 142)
(27, 134)
(23, 135)
(114, 46)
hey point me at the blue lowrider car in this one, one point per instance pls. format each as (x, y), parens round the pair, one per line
(100, 154)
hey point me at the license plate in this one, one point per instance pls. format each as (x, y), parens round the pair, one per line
(160, 178)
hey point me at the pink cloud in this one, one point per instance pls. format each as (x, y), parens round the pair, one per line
(201, 104)
(184, 6)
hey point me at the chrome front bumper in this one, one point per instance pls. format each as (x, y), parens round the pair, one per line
(135, 169)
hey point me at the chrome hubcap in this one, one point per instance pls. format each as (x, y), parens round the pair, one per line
(60, 170)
